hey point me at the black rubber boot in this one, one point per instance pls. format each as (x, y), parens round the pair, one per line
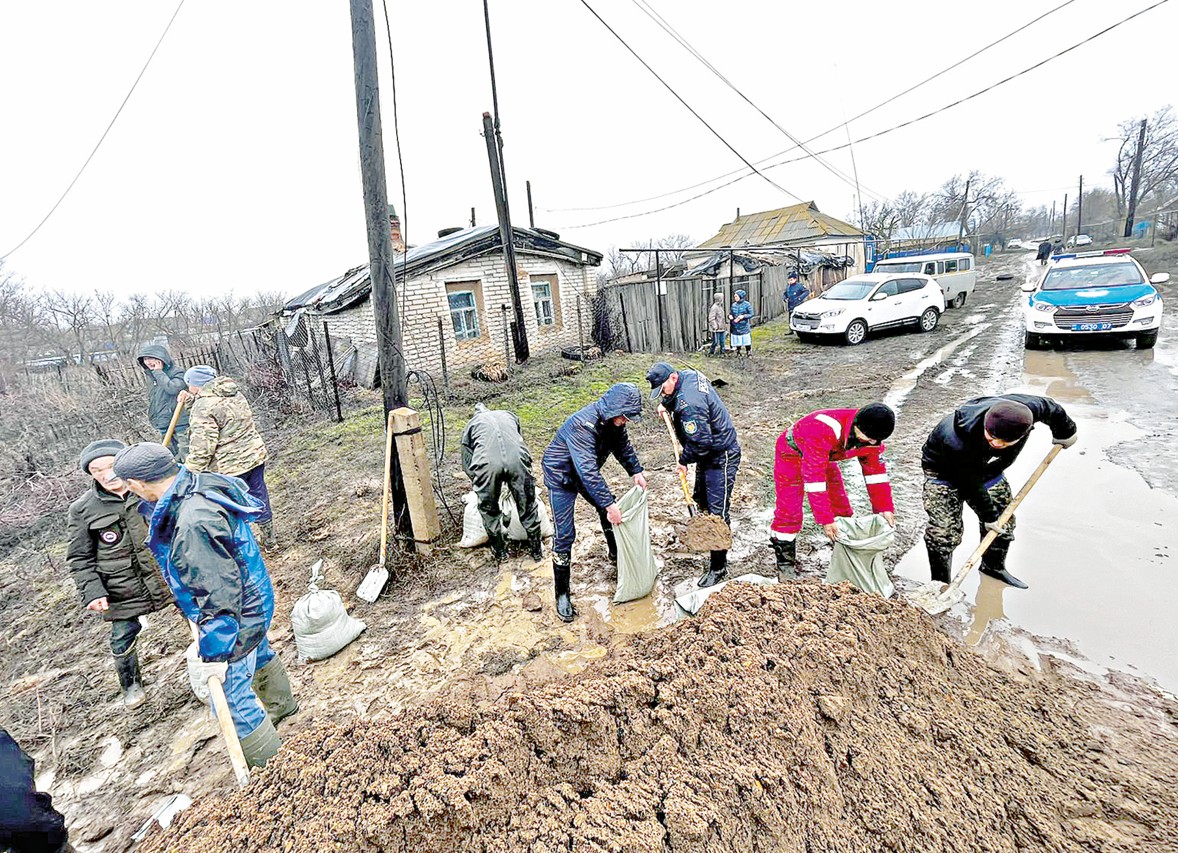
(940, 563)
(561, 575)
(130, 679)
(717, 571)
(611, 544)
(272, 686)
(786, 553)
(994, 565)
(498, 547)
(536, 547)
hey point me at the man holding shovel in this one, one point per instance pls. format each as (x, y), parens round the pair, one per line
(964, 459)
(708, 440)
(572, 466)
(806, 466)
(166, 388)
(200, 534)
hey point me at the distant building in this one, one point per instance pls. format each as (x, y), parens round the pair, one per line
(454, 294)
(800, 226)
(939, 236)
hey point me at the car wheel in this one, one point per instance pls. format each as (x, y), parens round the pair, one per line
(959, 300)
(1146, 340)
(928, 320)
(1032, 341)
(856, 332)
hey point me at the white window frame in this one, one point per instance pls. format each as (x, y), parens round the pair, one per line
(462, 315)
(539, 301)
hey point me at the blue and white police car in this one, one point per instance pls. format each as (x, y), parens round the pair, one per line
(1094, 293)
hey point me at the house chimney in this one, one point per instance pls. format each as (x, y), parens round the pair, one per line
(395, 230)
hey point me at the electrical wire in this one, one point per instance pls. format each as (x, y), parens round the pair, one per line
(888, 130)
(679, 98)
(868, 111)
(437, 421)
(102, 138)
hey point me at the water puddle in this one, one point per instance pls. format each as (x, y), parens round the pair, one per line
(1094, 541)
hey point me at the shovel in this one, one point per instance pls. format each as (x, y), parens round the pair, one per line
(172, 424)
(935, 597)
(370, 588)
(225, 721)
(704, 532)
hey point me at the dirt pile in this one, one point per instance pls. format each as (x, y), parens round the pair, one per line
(797, 717)
(707, 533)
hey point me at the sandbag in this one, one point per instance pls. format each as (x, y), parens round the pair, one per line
(858, 554)
(637, 568)
(320, 621)
(473, 532)
(690, 603)
(511, 522)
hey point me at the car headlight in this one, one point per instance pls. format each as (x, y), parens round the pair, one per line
(1043, 306)
(834, 312)
(1145, 300)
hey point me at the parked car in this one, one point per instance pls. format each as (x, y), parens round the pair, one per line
(1017, 244)
(1079, 240)
(954, 271)
(867, 303)
(1094, 293)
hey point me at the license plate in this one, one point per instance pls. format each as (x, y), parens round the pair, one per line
(1091, 327)
(806, 324)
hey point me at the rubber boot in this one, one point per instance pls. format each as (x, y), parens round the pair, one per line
(611, 544)
(272, 686)
(717, 571)
(536, 547)
(266, 538)
(562, 571)
(261, 744)
(940, 563)
(130, 679)
(786, 552)
(994, 565)
(498, 547)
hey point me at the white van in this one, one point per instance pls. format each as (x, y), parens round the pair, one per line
(954, 271)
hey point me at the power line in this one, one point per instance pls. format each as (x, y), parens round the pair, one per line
(679, 98)
(825, 132)
(118, 112)
(670, 30)
(886, 131)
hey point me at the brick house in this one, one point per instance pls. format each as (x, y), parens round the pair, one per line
(456, 296)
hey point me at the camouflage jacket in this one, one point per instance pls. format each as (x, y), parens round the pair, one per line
(223, 435)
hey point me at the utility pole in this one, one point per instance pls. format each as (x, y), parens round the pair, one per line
(1064, 228)
(1136, 182)
(1080, 208)
(964, 211)
(499, 178)
(472, 217)
(1051, 227)
(380, 250)
(531, 216)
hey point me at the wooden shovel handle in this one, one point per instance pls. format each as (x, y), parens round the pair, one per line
(172, 424)
(225, 721)
(675, 444)
(990, 536)
(388, 486)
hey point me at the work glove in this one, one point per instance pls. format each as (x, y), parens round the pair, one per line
(217, 668)
(1066, 442)
(995, 527)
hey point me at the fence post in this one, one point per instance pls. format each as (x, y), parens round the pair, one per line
(339, 415)
(442, 350)
(318, 364)
(580, 329)
(506, 340)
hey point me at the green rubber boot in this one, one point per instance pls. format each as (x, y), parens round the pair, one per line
(261, 744)
(272, 686)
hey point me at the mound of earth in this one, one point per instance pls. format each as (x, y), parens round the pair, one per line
(798, 717)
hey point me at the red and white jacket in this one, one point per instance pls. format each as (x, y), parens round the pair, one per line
(820, 438)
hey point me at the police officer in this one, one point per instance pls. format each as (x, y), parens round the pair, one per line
(707, 438)
(572, 466)
(964, 459)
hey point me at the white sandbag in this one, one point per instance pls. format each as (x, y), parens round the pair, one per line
(320, 621)
(637, 567)
(473, 532)
(690, 603)
(198, 673)
(511, 520)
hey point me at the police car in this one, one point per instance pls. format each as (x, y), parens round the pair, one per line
(1094, 293)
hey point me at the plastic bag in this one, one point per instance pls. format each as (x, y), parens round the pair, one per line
(637, 568)
(690, 603)
(473, 532)
(858, 554)
(320, 621)
(511, 522)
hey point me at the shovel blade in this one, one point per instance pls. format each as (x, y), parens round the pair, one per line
(935, 597)
(373, 583)
(707, 533)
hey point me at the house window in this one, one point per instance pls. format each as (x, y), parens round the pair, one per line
(464, 311)
(545, 299)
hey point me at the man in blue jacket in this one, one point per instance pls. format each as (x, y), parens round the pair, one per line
(707, 439)
(572, 466)
(795, 293)
(200, 534)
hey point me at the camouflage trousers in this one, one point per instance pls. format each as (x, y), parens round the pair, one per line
(944, 504)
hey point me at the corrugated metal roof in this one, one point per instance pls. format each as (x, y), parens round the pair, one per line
(939, 231)
(784, 226)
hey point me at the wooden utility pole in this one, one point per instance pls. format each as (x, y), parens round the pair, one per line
(1064, 228)
(1080, 209)
(499, 179)
(412, 453)
(964, 211)
(380, 250)
(1132, 214)
(531, 216)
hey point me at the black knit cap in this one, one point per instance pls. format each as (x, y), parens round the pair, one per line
(876, 421)
(1008, 420)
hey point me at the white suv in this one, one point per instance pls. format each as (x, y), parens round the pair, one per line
(866, 303)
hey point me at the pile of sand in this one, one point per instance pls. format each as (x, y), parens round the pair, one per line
(797, 717)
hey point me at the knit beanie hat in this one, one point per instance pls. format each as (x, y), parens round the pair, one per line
(146, 461)
(1008, 420)
(200, 375)
(876, 421)
(98, 449)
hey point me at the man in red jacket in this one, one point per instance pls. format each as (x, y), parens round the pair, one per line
(806, 464)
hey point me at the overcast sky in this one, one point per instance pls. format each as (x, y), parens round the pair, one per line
(235, 165)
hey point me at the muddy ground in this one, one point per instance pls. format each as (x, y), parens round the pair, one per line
(456, 619)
